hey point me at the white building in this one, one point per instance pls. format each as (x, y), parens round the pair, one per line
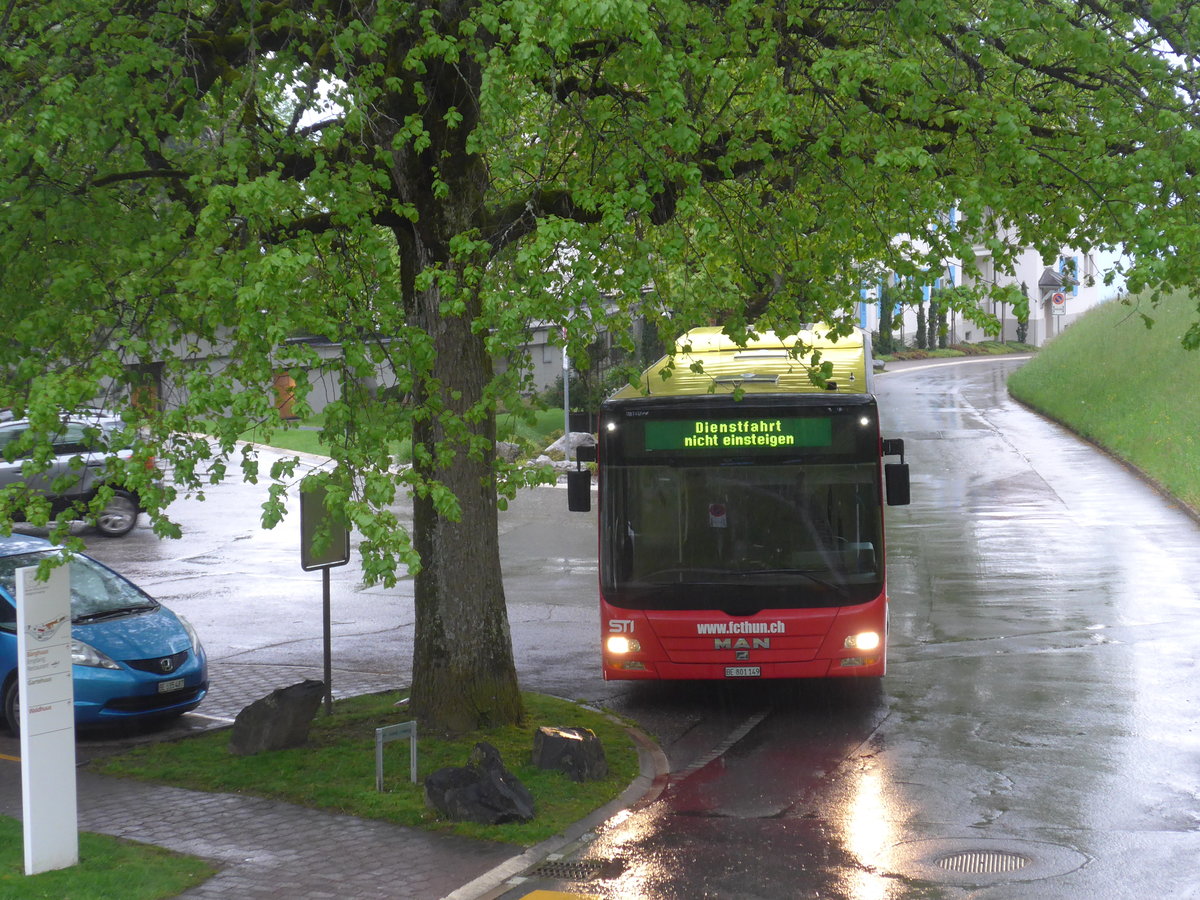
(1059, 291)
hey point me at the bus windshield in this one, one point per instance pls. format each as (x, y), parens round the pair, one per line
(741, 533)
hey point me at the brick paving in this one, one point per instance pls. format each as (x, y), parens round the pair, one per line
(270, 849)
(235, 685)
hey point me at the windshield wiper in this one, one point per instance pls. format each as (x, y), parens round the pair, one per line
(689, 572)
(115, 613)
(806, 573)
(685, 572)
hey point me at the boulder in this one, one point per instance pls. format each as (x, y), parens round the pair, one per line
(575, 440)
(577, 752)
(482, 791)
(277, 721)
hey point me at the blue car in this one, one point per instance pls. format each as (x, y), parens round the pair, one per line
(133, 658)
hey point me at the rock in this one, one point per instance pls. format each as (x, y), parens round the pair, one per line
(574, 751)
(483, 791)
(558, 461)
(277, 721)
(508, 451)
(577, 438)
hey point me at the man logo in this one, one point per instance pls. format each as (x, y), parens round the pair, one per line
(742, 644)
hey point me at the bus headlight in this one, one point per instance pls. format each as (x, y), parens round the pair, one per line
(619, 645)
(867, 640)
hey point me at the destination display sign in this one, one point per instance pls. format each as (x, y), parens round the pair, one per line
(738, 435)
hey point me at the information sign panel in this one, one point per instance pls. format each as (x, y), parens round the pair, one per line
(47, 720)
(324, 540)
(324, 543)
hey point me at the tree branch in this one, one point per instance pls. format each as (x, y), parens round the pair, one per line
(140, 175)
(519, 218)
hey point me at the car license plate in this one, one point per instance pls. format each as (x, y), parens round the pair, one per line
(743, 671)
(175, 684)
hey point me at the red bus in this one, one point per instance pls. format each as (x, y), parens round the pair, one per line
(741, 514)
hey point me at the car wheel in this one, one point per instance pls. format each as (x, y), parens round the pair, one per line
(12, 707)
(119, 516)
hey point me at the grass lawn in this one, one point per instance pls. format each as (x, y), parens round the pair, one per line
(1130, 389)
(545, 427)
(298, 440)
(108, 869)
(303, 436)
(983, 348)
(336, 771)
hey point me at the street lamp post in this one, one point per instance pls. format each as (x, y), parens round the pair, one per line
(566, 377)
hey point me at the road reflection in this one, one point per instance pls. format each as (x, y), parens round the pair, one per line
(868, 833)
(796, 796)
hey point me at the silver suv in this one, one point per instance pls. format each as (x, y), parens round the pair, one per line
(81, 452)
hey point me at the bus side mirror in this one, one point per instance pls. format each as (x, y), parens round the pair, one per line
(895, 476)
(579, 490)
(585, 453)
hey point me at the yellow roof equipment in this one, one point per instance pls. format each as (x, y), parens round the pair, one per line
(708, 361)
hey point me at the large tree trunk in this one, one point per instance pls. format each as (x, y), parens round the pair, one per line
(464, 676)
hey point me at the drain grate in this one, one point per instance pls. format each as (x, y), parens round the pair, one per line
(578, 869)
(983, 862)
(979, 860)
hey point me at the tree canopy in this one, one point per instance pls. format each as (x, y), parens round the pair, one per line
(191, 190)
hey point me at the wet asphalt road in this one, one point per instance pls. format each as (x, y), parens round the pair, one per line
(1038, 734)
(1039, 731)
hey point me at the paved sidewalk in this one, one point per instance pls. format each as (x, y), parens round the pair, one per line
(271, 849)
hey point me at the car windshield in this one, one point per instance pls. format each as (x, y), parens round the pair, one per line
(96, 592)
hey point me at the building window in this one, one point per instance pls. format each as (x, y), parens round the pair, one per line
(1068, 267)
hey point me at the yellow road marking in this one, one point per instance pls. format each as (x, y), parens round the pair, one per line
(10, 758)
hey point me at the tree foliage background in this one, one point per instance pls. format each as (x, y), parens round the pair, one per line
(186, 185)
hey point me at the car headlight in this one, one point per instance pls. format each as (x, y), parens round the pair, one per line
(191, 632)
(86, 655)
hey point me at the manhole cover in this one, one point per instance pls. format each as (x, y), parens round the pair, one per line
(983, 862)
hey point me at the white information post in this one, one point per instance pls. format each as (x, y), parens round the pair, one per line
(47, 720)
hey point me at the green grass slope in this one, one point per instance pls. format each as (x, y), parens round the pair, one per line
(1130, 389)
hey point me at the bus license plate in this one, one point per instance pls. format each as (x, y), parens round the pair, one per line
(743, 671)
(175, 684)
